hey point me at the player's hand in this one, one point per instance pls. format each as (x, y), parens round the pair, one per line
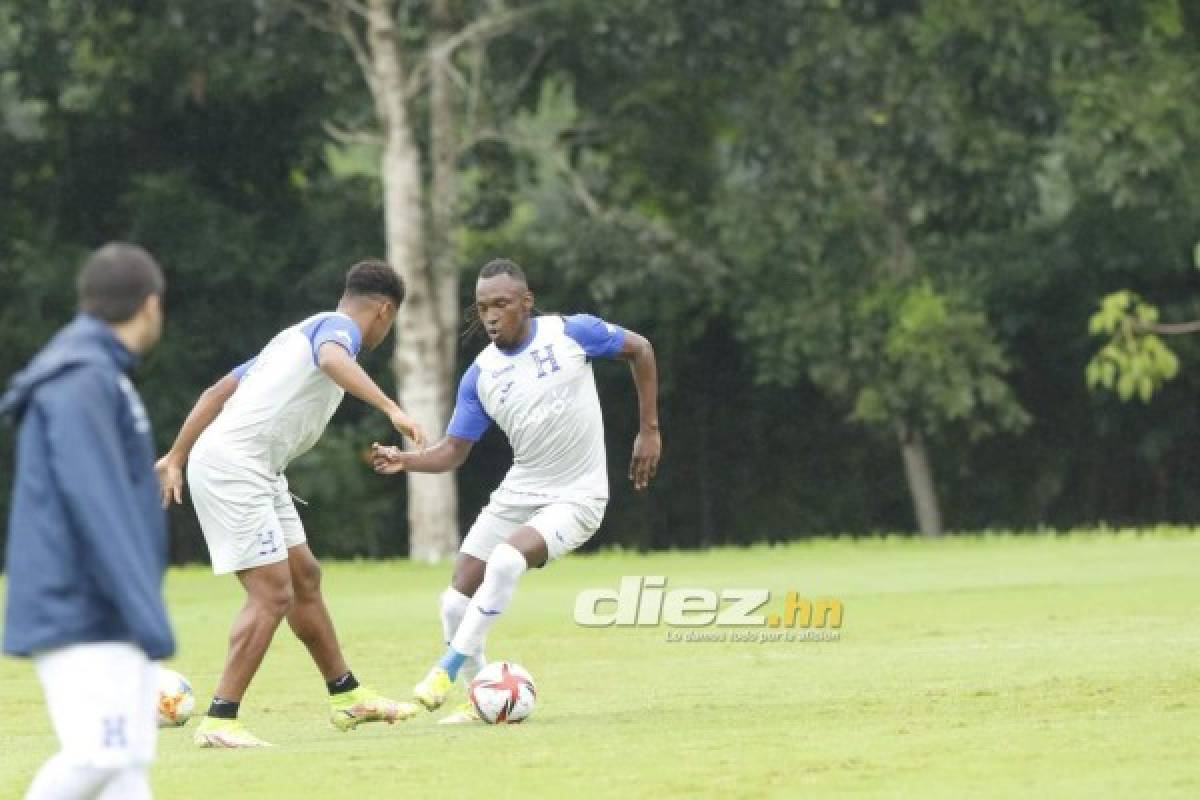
(170, 480)
(408, 426)
(647, 448)
(386, 459)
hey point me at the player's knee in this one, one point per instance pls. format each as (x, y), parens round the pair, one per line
(453, 602)
(506, 563)
(276, 601)
(468, 574)
(306, 580)
(284, 598)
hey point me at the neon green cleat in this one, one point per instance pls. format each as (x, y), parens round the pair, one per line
(225, 733)
(463, 715)
(432, 691)
(356, 706)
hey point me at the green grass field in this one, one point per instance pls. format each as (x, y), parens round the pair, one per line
(1040, 666)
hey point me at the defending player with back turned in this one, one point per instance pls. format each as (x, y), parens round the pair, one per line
(87, 539)
(535, 382)
(236, 444)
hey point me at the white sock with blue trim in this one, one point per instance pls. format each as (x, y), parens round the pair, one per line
(453, 606)
(505, 567)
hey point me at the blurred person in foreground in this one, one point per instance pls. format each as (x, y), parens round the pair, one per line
(87, 537)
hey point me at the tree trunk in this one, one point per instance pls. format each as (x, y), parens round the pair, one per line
(919, 474)
(423, 375)
(443, 135)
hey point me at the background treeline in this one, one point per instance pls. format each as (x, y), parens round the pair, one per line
(865, 237)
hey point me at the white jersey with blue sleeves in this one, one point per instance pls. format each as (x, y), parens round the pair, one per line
(283, 400)
(543, 396)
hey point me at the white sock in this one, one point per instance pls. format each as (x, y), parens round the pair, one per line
(504, 568)
(472, 665)
(454, 605)
(61, 779)
(131, 783)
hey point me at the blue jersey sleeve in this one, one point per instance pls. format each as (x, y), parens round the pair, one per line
(336, 328)
(240, 370)
(470, 421)
(599, 339)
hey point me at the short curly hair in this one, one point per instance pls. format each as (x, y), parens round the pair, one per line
(373, 277)
(503, 266)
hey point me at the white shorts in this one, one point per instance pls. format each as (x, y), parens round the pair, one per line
(248, 519)
(564, 525)
(103, 701)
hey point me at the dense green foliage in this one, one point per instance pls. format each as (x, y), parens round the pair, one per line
(835, 220)
(1134, 361)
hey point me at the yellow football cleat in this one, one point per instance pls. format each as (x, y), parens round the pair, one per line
(349, 709)
(463, 715)
(225, 733)
(432, 691)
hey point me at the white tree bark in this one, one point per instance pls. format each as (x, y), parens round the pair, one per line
(921, 487)
(443, 135)
(423, 363)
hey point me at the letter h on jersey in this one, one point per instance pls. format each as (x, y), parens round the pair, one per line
(544, 359)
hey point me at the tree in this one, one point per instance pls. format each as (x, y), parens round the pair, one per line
(878, 190)
(905, 143)
(830, 217)
(193, 129)
(402, 58)
(1133, 117)
(1135, 361)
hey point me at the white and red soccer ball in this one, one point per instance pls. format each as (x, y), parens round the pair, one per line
(176, 701)
(503, 693)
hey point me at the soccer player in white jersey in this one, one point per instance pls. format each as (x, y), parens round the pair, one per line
(236, 443)
(535, 382)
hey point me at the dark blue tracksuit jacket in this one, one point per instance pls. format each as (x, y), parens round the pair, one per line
(87, 537)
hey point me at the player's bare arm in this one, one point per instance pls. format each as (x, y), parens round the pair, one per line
(336, 362)
(647, 446)
(208, 406)
(450, 453)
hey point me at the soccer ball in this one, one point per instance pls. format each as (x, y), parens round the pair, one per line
(503, 693)
(176, 702)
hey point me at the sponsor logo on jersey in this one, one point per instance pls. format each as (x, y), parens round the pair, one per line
(554, 405)
(504, 390)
